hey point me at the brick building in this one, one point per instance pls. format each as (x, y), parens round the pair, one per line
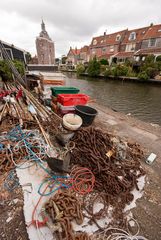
(119, 46)
(45, 47)
(84, 54)
(151, 42)
(127, 44)
(73, 57)
(107, 45)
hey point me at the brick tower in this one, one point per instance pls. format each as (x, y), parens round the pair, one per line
(45, 47)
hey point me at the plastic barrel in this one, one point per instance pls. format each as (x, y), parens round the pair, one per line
(87, 114)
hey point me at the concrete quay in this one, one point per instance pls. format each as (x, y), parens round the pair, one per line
(148, 209)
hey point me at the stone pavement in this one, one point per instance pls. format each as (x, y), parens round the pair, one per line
(148, 210)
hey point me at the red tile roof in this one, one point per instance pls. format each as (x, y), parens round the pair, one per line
(107, 39)
(111, 38)
(140, 32)
(76, 51)
(105, 56)
(148, 51)
(124, 54)
(153, 32)
(84, 49)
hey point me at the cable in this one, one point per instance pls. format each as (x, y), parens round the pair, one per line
(113, 233)
(82, 180)
(37, 222)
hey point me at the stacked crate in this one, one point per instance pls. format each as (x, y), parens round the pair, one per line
(64, 99)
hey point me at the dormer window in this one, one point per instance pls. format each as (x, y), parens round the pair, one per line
(132, 36)
(118, 37)
(94, 42)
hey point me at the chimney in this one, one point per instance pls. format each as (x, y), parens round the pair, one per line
(104, 33)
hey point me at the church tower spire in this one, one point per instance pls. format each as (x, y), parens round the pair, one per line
(43, 26)
(43, 32)
(45, 47)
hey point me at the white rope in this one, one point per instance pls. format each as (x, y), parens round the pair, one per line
(113, 233)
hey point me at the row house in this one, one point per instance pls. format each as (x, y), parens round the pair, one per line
(84, 54)
(107, 45)
(117, 47)
(73, 57)
(127, 44)
(76, 56)
(151, 42)
(130, 44)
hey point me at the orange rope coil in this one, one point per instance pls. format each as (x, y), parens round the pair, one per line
(82, 180)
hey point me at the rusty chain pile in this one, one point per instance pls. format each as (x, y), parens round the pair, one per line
(62, 208)
(115, 164)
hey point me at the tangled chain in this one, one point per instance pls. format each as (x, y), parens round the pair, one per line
(115, 164)
(62, 208)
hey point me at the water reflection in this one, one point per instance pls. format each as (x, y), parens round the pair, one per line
(141, 100)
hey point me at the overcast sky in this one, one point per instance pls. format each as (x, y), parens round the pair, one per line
(72, 22)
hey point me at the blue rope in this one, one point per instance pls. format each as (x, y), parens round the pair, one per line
(11, 182)
(1, 146)
(17, 135)
(62, 185)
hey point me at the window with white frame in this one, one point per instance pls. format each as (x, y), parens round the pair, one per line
(152, 42)
(130, 47)
(111, 48)
(132, 36)
(118, 37)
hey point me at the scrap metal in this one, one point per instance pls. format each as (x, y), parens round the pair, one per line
(115, 164)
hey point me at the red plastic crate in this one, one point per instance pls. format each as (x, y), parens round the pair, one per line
(73, 99)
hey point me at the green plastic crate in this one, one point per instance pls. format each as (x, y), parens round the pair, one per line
(64, 90)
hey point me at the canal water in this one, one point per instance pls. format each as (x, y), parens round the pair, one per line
(141, 100)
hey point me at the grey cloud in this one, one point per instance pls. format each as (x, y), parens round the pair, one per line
(75, 21)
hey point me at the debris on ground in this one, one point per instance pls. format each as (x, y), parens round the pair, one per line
(79, 190)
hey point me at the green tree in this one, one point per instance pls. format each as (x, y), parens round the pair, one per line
(158, 61)
(28, 57)
(108, 72)
(19, 66)
(143, 75)
(150, 66)
(94, 67)
(5, 71)
(120, 70)
(63, 60)
(158, 58)
(104, 61)
(150, 59)
(80, 69)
